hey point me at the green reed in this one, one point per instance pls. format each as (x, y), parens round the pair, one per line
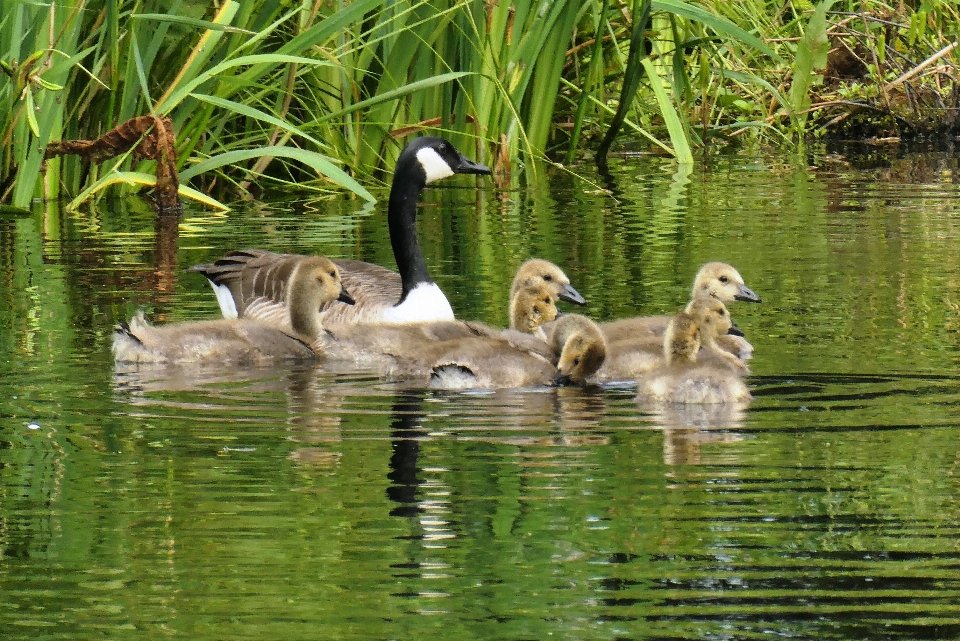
(319, 95)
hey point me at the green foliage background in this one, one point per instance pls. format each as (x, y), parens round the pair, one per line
(321, 94)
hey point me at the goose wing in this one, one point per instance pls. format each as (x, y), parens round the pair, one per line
(374, 288)
(252, 283)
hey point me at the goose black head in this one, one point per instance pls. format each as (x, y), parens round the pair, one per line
(435, 158)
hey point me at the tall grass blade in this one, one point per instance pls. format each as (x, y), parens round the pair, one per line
(678, 135)
(256, 114)
(811, 55)
(720, 25)
(319, 163)
(631, 77)
(139, 179)
(596, 64)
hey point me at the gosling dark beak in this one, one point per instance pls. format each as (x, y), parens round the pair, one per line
(345, 297)
(467, 166)
(561, 380)
(735, 331)
(569, 294)
(746, 294)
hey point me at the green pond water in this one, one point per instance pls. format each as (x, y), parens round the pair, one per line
(312, 503)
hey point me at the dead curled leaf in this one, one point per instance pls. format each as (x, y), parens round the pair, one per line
(150, 138)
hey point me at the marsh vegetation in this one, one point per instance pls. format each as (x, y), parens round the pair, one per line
(266, 95)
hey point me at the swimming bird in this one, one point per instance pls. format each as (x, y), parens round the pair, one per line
(530, 308)
(251, 283)
(694, 368)
(635, 345)
(312, 284)
(718, 280)
(575, 341)
(539, 272)
(410, 350)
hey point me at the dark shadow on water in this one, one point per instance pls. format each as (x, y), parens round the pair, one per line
(405, 432)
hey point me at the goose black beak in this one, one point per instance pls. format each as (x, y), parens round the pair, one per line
(747, 295)
(467, 166)
(569, 294)
(345, 297)
(561, 380)
(735, 331)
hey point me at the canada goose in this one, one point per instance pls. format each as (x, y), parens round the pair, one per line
(312, 283)
(576, 342)
(250, 283)
(537, 272)
(635, 345)
(695, 369)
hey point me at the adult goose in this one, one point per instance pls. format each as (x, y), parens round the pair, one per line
(695, 369)
(251, 283)
(242, 341)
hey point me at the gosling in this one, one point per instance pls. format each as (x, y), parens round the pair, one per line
(240, 341)
(695, 369)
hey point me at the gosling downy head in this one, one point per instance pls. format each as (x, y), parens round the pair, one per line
(319, 278)
(712, 317)
(581, 348)
(722, 281)
(538, 272)
(314, 282)
(700, 324)
(530, 308)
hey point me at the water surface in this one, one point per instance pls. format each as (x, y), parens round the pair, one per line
(305, 503)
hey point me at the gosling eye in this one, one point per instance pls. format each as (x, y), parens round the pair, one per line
(724, 280)
(547, 300)
(333, 274)
(576, 361)
(721, 312)
(547, 277)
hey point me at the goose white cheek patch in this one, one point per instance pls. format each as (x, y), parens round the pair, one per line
(433, 165)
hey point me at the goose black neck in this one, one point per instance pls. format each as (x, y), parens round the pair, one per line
(402, 221)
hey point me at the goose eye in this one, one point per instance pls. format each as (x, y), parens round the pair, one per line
(724, 279)
(576, 361)
(333, 274)
(547, 277)
(547, 300)
(721, 312)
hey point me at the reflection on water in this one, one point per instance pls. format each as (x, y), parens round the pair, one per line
(312, 502)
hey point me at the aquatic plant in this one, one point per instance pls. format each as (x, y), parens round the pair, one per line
(317, 95)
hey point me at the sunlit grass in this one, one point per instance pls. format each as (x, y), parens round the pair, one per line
(320, 95)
